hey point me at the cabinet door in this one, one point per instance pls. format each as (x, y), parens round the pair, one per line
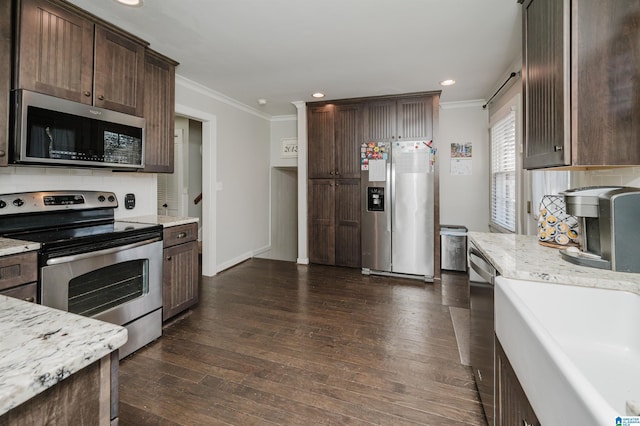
(321, 134)
(605, 82)
(512, 405)
(415, 118)
(380, 120)
(348, 137)
(119, 73)
(26, 292)
(546, 83)
(55, 51)
(321, 224)
(180, 278)
(159, 114)
(18, 269)
(347, 223)
(5, 78)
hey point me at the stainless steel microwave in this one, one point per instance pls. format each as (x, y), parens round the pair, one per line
(54, 131)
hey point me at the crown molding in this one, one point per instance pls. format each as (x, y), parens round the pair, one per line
(291, 117)
(197, 87)
(462, 104)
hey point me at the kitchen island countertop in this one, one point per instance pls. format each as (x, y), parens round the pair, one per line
(9, 246)
(521, 257)
(165, 221)
(40, 346)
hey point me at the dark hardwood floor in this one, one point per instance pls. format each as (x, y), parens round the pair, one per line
(273, 342)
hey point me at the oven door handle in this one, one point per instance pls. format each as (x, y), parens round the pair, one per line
(74, 257)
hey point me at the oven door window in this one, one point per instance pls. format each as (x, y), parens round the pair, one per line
(108, 287)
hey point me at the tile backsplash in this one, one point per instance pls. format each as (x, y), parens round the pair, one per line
(624, 176)
(143, 185)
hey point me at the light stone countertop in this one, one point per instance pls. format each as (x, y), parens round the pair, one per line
(40, 346)
(521, 257)
(165, 221)
(9, 246)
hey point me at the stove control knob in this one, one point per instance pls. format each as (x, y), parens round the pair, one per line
(101, 198)
(111, 198)
(2, 204)
(18, 202)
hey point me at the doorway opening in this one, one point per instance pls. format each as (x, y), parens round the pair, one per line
(180, 192)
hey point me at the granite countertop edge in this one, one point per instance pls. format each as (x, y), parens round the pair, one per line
(165, 221)
(9, 246)
(521, 257)
(40, 346)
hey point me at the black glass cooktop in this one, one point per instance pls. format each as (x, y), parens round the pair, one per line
(88, 234)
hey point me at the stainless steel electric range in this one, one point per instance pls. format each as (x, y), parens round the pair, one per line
(89, 263)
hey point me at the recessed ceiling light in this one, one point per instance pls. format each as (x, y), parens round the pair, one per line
(132, 3)
(447, 83)
(318, 95)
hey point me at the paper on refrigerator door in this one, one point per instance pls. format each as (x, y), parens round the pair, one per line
(377, 170)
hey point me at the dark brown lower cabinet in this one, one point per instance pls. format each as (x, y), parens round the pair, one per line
(512, 405)
(86, 398)
(18, 276)
(180, 269)
(334, 222)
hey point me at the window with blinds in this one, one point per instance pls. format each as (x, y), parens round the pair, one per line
(503, 173)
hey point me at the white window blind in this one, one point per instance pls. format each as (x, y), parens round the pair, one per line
(503, 173)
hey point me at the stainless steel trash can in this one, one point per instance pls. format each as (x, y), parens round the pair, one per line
(453, 247)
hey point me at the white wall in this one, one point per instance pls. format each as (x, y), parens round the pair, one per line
(282, 127)
(242, 163)
(143, 185)
(464, 200)
(284, 193)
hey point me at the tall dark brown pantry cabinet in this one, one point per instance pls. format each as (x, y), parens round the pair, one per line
(580, 71)
(334, 132)
(64, 52)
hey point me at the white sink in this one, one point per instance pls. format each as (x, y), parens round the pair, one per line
(575, 350)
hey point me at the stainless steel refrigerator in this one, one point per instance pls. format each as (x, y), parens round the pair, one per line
(397, 180)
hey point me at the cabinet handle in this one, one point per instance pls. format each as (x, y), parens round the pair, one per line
(87, 93)
(337, 173)
(168, 257)
(2, 153)
(399, 137)
(101, 97)
(181, 235)
(526, 423)
(337, 184)
(479, 374)
(29, 299)
(331, 184)
(558, 148)
(331, 172)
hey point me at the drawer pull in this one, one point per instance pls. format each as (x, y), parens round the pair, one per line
(168, 257)
(29, 299)
(181, 235)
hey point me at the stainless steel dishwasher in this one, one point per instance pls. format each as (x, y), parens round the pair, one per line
(481, 286)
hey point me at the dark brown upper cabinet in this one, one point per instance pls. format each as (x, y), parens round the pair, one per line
(5, 78)
(581, 62)
(63, 51)
(335, 134)
(399, 118)
(159, 112)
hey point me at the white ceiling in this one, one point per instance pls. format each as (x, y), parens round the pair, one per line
(284, 50)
